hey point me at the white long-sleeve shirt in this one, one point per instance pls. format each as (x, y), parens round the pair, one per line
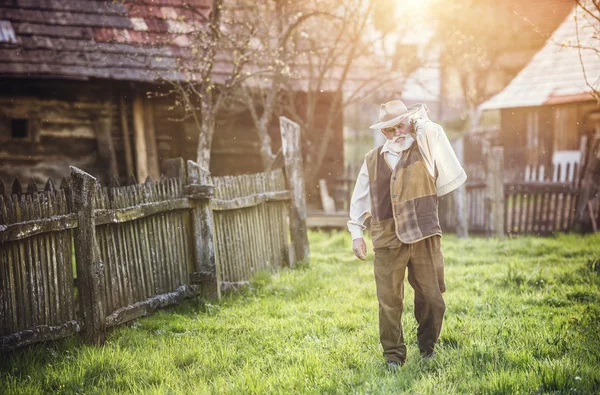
(437, 154)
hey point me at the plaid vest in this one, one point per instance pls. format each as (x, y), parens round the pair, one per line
(404, 197)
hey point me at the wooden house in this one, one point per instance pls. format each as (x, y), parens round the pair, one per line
(74, 77)
(547, 111)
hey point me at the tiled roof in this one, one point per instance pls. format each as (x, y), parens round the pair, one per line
(555, 73)
(136, 40)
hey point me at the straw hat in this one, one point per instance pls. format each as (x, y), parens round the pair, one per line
(391, 113)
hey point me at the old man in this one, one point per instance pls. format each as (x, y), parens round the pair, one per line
(398, 186)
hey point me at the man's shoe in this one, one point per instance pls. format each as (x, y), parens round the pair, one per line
(429, 357)
(393, 366)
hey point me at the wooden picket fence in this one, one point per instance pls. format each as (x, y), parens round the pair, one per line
(86, 257)
(534, 200)
(251, 224)
(137, 248)
(36, 274)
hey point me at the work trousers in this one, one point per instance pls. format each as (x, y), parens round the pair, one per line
(425, 264)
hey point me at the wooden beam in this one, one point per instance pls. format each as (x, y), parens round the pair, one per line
(204, 231)
(497, 155)
(146, 307)
(37, 334)
(106, 148)
(460, 196)
(152, 150)
(294, 172)
(90, 270)
(121, 215)
(141, 156)
(249, 201)
(126, 137)
(27, 229)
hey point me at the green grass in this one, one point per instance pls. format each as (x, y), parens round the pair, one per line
(523, 317)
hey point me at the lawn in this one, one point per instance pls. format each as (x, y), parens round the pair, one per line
(523, 316)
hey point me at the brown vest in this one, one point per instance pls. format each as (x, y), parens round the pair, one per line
(404, 202)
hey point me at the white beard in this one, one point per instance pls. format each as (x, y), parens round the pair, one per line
(399, 147)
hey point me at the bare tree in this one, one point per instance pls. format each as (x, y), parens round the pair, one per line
(339, 59)
(276, 22)
(472, 35)
(226, 39)
(587, 25)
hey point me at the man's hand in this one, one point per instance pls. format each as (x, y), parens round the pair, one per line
(360, 248)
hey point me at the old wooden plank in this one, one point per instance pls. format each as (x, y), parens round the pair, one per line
(249, 201)
(149, 133)
(66, 244)
(11, 310)
(31, 267)
(24, 302)
(25, 229)
(48, 268)
(5, 290)
(155, 243)
(51, 250)
(89, 267)
(151, 236)
(107, 157)
(176, 228)
(126, 259)
(127, 275)
(170, 236)
(116, 288)
(175, 170)
(37, 334)
(260, 253)
(142, 257)
(203, 227)
(147, 252)
(104, 245)
(162, 240)
(147, 306)
(126, 137)
(134, 252)
(141, 151)
(140, 211)
(167, 238)
(290, 142)
(269, 222)
(62, 313)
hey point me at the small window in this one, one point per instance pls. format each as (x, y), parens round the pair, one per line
(20, 128)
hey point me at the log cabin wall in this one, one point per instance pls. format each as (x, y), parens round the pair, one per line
(236, 147)
(48, 125)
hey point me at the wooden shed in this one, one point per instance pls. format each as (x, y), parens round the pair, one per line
(547, 112)
(74, 77)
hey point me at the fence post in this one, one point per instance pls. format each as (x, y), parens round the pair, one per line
(497, 170)
(200, 190)
(90, 270)
(294, 174)
(460, 196)
(588, 186)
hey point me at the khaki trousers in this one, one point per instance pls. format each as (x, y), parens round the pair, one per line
(425, 265)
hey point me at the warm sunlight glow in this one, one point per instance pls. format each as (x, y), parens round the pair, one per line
(412, 5)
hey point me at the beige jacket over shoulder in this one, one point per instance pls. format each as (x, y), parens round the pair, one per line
(439, 157)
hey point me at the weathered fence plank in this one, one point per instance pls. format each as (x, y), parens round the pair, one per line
(203, 226)
(89, 268)
(290, 143)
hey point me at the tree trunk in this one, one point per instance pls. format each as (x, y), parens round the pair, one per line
(207, 128)
(266, 153)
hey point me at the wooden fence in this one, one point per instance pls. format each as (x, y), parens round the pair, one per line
(534, 200)
(140, 247)
(36, 274)
(251, 224)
